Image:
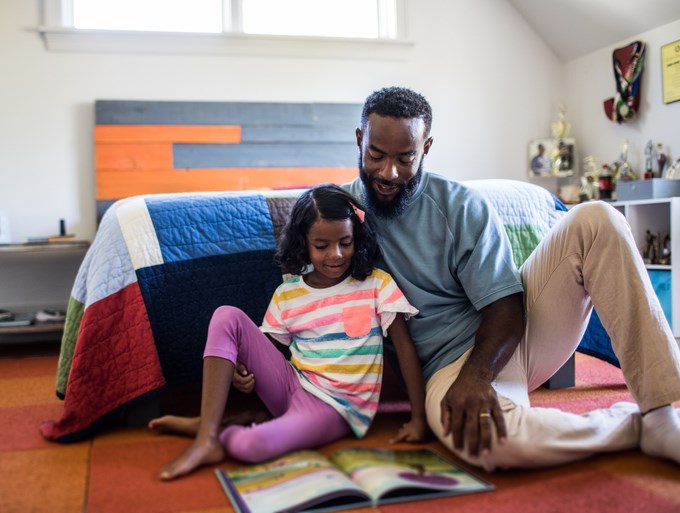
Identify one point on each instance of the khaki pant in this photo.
(588, 259)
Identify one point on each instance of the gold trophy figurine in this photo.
(560, 128)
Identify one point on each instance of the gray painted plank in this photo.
(285, 133)
(123, 112)
(193, 156)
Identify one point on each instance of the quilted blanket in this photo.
(161, 264)
(142, 300)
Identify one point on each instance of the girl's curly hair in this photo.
(330, 202)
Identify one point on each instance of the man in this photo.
(487, 334)
(540, 163)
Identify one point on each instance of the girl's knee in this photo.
(226, 312)
(229, 318)
(248, 444)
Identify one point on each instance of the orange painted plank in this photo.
(167, 133)
(133, 156)
(116, 183)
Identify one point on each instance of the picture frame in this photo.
(551, 157)
(670, 71)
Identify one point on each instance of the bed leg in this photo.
(564, 377)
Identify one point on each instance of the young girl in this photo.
(333, 318)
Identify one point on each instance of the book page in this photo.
(293, 482)
(385, 473)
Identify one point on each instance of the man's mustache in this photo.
(386, 183)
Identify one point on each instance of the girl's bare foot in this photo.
(202, 451)
(185, 426)
(188, 426)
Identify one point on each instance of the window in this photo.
(153, 15)
(330, 18)
(320, 25)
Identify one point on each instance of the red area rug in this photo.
(116, 471)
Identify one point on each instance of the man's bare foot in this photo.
(201, 452)
(185, 426)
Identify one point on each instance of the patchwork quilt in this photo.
(139, 310)
(161, 264)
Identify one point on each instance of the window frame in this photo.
(59, 35)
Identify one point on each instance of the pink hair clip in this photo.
(360, 213)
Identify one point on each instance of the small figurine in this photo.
(649, 249)
(624, 151)
(589, 188)
(660, 159)
(664, 252)
(605, 185)
(560, 129)
(624, 172)
(589, 180)
(673, 170)
(649, 151)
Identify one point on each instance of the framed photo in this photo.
(670, 71)
(551, 157)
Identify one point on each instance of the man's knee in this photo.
(598, 214)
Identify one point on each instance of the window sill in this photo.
(58, 39)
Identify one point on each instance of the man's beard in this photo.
(401, 201)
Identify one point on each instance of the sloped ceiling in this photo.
(573, 28)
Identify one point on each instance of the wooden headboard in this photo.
(146, 147)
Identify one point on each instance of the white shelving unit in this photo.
(659, 216)
(35, 277)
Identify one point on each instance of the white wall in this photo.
(590, 80)
(493, 84)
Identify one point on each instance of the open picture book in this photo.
(349, 478)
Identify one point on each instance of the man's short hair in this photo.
(397, 102)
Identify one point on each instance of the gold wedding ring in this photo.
(484, 414)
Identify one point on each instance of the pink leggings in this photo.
(301, 421)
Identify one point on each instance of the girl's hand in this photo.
(415, 430)
(243, 381)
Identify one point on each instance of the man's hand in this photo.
(243, 381)
(470, 408)
(415, 431)
(468, 411)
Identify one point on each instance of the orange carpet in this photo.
(116, 471)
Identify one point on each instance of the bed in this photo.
(159, 266)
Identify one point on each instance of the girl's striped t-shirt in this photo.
(335, 337)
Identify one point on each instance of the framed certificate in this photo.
(670, 71)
